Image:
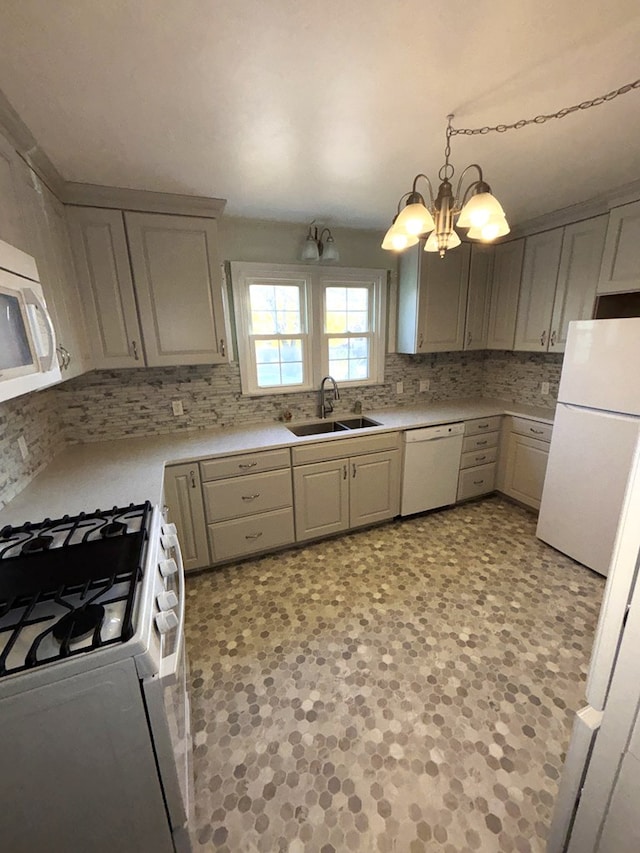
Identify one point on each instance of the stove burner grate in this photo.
(78, 624)
(113, 528)
(38, 543)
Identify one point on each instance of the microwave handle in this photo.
(48, 361)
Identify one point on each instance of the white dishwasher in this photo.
(431, 467)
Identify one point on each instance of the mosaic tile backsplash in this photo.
(114, 404)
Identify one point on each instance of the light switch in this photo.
(545, 389)
(399, 387)
(177, 407)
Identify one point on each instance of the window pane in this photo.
(287, 298)
(267, 352)
(288, 322)
(358, 299)
(358, 321)
(338, 348)
(336, 298)
(261, 297)
(358, 347)
(292, 373)
(359, 369)
(268, 374)
(335, 322)
(290, 350)
(275, 309)
(263, 323)
(339, 370)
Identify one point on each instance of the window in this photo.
(281, 349)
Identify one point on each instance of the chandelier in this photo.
(476, 209)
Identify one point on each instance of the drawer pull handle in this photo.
(344, 472)
(247, 464)
(553, 338)
(354, 470)
(481, 458)
(134, 347)
(483, 426)
(536, 431)
(481, 443)
(192, 477)
(223, 350)
(253, 535)
(478, 482)
(543, 338)
(250, 497)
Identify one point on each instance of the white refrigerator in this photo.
(595, 432)
(598, 804)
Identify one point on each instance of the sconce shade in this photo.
(479, 210)
(330, 251)
(414, 220)
(310, 250)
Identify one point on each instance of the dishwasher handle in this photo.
(411, 436)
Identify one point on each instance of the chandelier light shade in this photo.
(476, 209)
(318, 248)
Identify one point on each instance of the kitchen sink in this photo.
(322, 427)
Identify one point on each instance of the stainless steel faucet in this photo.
(326, 406)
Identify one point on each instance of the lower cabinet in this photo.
(346, 492)
(478, 460)
(248, 503)
(523, 459)
(183, 498)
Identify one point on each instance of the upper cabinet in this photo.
(478, 297)
(151, 286)
(559, 279)
(432, 300)
(102, 260)
(620, 269)
(505, 285)
(537, 289)
(582, 246)
(13, 228)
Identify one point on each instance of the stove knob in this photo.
(169, 529)
(166, 620)
(167, 599)
(167, 568)
(169, 541)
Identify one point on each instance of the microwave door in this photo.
(17, 350)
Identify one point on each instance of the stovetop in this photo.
(68, 586)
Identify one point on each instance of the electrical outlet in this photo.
(545, 389)
(177, 407)
(399, 387)
(22, 444)
(425, 384)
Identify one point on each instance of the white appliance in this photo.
(431, 467)
(597, 804)
(95, 725)
(28, 357)
(595, 431)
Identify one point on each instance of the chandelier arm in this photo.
(415, 183)
(474, 184)
(401, 199)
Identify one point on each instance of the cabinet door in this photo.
(620, 270)
(479, 297)
(178, 283)
(443, 300)
(183, 497)
(537, 290)
(374, 487)
(13, 228)
(409, 336)
(526, 466)
(505, 286)
(577, 278)
(102, 262)
(321, 499)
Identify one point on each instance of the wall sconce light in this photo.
(314, 249)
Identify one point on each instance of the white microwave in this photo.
(28, 357)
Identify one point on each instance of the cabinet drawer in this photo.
(240, 496)
(242, 536)
(476, 481)
(534, 429)
(478, 457)
(352, 446)
(480, 442)
(248, 463)
(482, 425)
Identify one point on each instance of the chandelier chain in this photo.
(541, 119)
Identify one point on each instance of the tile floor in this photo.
(407, 688)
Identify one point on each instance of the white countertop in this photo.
(103, 474)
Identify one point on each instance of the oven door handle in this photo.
(170, 664)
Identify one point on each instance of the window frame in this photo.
(313, 282)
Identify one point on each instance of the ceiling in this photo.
(293, 110)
